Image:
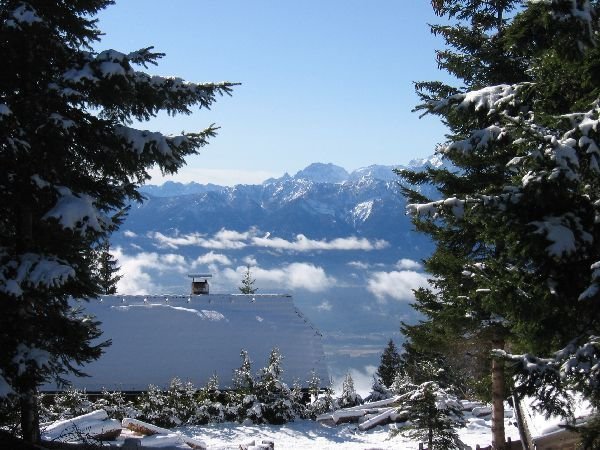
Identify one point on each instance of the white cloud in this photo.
(397, 284)
(359, 265)
(325, 306)
(408, 264)
(250, 261)
(136, 270)
(233, 240)
(211, 258)
(303, 244)
(129, 234)
(222, 240)
(293, 276)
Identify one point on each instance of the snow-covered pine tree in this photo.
(274, 395)
(378, 390)
(243, 379)
(389, 365)
(517, 226)
(479, 55)
(349, 397)
(108, 269)
(70, 161)
(434, 416)
(247, 286)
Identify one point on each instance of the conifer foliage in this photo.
(108, 269)
(390, 364)
(247, 286)
(517, 228)
(70, 160)
(434, 416)
(349, 396)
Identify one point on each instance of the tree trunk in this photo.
(30, 419)
(498, 438)
(430, 439)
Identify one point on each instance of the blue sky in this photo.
(322, 80)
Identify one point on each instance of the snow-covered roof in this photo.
(192, 337)
(540, 426)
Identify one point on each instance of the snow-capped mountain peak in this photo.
(323, 173)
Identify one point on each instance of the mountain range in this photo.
(340, 242)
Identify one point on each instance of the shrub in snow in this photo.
(298, 399)
(9, 413)
(402, 384)
(378, 391)
(349, 396)
(264, 398)
(243, 380)
(321, 400)
(274, 396)
(434, 415)
(324, 403)
(116, 406)
(65, 405)
(173, 407)
(209, 409)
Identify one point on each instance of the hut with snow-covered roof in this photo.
(192, 337)
(549, 433)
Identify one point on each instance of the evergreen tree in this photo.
(378, 390)
(275, 397)
(349, 397)
(389, 365)
(70, 161)
(243, 380)
(516, 229)
(434, 416)
(478, 55)
(247, 286)
(109, 271)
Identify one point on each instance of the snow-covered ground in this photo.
(306, 434)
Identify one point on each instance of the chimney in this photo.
(200, 286)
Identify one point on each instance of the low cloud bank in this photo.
(289, 277)
(141, 272)
(235, 240)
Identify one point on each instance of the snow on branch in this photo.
(26, 356)
(141, 141)
(479, 140)
(594, 287)
(170, 93)
(24, 14)
(76, 212)
(554, 154)
(5, 388)
(564, 154)
(577, 366)
(4, 110)
(585, 130)
(491, 98)
(34, 271)
(61, 121)
(564, 10)
(564, 233)
(435, 209)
